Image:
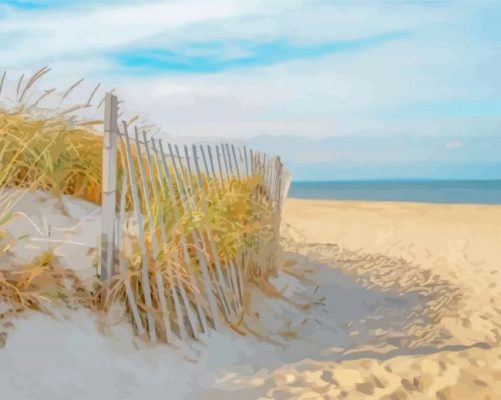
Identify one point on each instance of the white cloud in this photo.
(82, 30)
(346, 94)
(454, 144)
(341, 94)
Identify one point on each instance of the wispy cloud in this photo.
(449, 108)
(455, 144)
(92, 30)
(221, 56)
(246, 68)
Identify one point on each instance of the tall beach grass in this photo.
(57, 153)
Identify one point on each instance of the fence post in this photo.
(109, 186)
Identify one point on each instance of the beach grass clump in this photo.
(60, 157)
(32, 286)
(38, 285)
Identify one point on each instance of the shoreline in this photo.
(391, 202)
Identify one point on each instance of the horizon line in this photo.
(399, 180)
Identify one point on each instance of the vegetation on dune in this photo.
(43, 281)
(237, 219)
(33, 286)
(59, 157)
(57, 154)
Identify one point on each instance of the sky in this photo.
(340, 90)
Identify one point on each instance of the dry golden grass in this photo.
(59, 157)
(55, 153)
(35, 286)
(32, 286)
(238, 222)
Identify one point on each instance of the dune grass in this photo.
(35, 285)
(59, 157)
(227, 233)
(54, 153)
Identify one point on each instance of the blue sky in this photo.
(204, 58)
(403, 88)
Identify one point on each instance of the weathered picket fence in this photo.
(179, 280)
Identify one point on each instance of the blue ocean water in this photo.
(423, 191)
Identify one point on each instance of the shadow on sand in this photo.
(342, 307)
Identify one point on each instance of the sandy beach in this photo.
(372, 300)
(250, 200)
(457, 244)
(445, 255)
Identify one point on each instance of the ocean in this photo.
(423, 191)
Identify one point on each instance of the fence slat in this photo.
(146, 194)
(154, 244)
(121, 263)
(226, 272)
(160, 159)
(208, 230)
(109, 179)
(221, 281)
(252, 162)
(280, 184)
(221, 286)
(234, 285)
(236, 161)
(218, 156)
(227, 153)
(197, 168)
(246, 162)
(226, 163)
(210, 177)
(187, 171)
(196, 237)
(241, 158)
(140, 230)
(189, 311)
(185, 198)
(186, 202)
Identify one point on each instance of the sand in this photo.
(448, 255)
(68, 227)
(458, 244)
(377, 300)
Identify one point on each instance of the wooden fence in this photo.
(168, 242)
